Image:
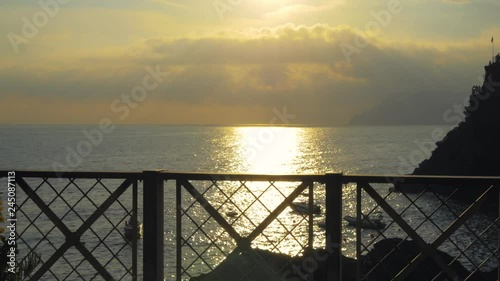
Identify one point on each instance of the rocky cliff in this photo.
(472, 148)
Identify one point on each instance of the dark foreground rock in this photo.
(254, 264)
(382, 263)
(396, 255)
(390, 256)
(262, 265)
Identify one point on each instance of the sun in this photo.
(270, 6)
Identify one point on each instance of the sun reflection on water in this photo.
(268, 150)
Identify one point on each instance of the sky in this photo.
(234, 61)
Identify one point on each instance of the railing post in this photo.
(153, 226)
(334, 226)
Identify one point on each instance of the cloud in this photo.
(456, 1)
(171, 4)
(285, 44)
(301, 67)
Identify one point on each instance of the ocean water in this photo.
(286, 150)
(243, 149)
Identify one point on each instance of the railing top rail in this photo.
(346, 178)
(420, 179)
(242, 176)
(79, 174)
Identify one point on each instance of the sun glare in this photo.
(268, 150)
(266, 7)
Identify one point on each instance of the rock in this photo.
(262, 265)
(393, 262)
(471, 148)
(254, 264)
(380, 264)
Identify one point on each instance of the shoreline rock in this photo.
(262, 265)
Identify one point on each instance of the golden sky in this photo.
(233, 61)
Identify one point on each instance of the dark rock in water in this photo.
(395, 261)
(491, 275)
(472, 147)
(262, 265)
(254, 264)
(400, 257)
(307, 264)
(382, 263)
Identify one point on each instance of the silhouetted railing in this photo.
(431, 235)
(70, 226)
(252, 227)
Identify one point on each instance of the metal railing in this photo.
(431, 225)
(230, 213)
(251, 227)
(444, 239)
(72, 224)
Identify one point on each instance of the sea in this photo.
(236, 149)
(239, 149)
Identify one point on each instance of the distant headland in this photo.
(406, 109)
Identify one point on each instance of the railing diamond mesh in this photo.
(424, 233)
(220, 218)
(73, 228)
(257, 227)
